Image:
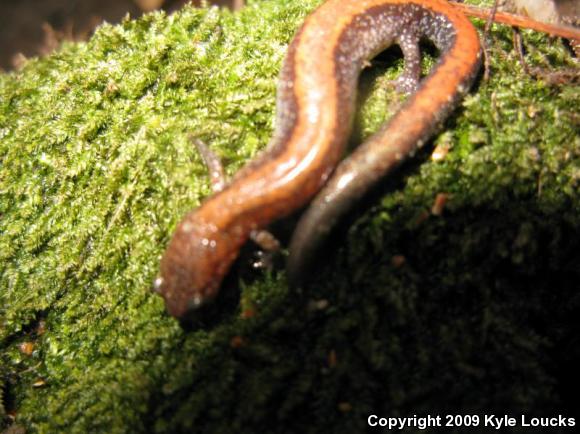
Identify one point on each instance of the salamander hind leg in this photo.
(408, 81)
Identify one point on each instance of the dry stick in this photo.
(238, 4)
(560, 30)
(518, 21)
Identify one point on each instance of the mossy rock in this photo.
(97, 168)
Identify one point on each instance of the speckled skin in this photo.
(315, 104)
(405, 132)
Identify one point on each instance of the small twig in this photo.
(519, 47)
(486, 32)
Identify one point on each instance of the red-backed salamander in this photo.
(315, 105)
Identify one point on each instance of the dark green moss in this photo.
(97, 167)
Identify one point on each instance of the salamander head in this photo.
(194, 265)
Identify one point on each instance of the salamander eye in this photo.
(194, 302)
(157, 284)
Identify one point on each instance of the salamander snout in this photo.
(194, 265)
(177, 306)
(188, 276)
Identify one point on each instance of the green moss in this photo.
(96, 169)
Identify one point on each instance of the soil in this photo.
(36, 27)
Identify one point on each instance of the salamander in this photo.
(314, 111)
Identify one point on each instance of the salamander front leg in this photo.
(214, 165)
(269, 245)
(264, 239)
